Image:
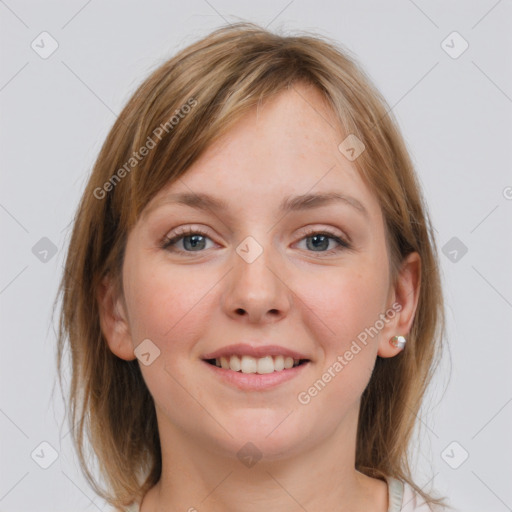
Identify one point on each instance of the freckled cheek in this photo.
(165, 302)
(339, 308)
(341, 305)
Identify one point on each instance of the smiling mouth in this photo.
(261, 365)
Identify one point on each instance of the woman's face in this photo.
(280, 265)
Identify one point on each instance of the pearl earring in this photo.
(398, 341)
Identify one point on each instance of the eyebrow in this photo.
(302, 202)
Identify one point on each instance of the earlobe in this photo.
(113, 320)
(404, 300)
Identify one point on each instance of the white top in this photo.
(402, 498)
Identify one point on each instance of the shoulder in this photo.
(403, 498)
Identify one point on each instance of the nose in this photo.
(257, 291)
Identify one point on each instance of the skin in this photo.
(191, 302)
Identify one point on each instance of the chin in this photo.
(272, 433)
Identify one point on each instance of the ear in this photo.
(114, 320)
(403, 300)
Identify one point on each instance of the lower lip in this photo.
(256, 381)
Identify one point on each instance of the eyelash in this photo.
(167, 242)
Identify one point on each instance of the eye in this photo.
(194, 240)
(318, 241)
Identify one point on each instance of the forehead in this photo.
(288, 145)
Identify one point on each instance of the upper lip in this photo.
(242, 349)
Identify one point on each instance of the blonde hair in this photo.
(221, 77)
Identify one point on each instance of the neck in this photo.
(200, 476)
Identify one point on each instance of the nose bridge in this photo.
(256, 290)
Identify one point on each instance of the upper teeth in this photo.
(248, 364)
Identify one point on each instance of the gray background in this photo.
(455, 114)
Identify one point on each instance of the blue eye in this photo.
(320, 241)
(196, 241)
(193, 240)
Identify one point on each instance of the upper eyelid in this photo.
(315, 226)
(331, 231)
(305, 231)
(182, 232)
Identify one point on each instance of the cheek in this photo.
(168, 306)
(338, 309)
(172, 308)
(341, 303)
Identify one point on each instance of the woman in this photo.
(252, 295)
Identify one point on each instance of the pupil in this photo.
(324, 243)
(194, 241)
